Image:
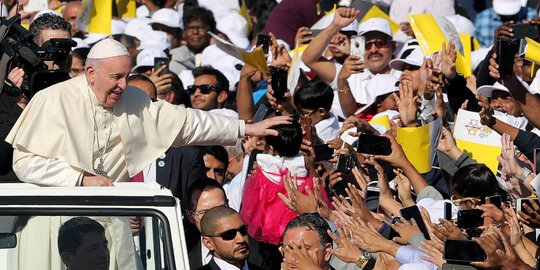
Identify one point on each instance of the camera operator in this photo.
(44, 28)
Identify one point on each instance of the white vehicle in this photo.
(30, 217)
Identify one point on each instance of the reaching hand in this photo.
(447, 230)
(448, 61)
(280, 55)
(406, 229)
(264, 128)
(162, 82)
(96, 180)
(344, 17)
(345, 250)
(494, 67)
(406, 28)
(403, 186)
(303, 36)
(352, 65)
(508, 157)
(295, 200)
(407, 104)
(299, 257)
(434, 250)
(486, 114)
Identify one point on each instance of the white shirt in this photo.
(328, 129)
(235, 188)
(206, 256)
(223, 265)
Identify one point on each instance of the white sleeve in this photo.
(31, 168)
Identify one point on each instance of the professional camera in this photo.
(17, 49)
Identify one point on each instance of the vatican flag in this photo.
(96, 16)
(432, 30)
(420, 144)
(295, 70)
(376, 12)
(530, 49)
(480, 142)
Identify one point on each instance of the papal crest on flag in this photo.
(420, 144)
(480, 142)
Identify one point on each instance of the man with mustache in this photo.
(225, 235)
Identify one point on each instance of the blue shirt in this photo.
(488, 20)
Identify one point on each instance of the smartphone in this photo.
(470, 218)
(374, 145)
(527, 201)
(159, 62)
(447, 211)
(413, 212)
(279, 81)
(523, 30)
(372, 198)
(263, 40)
(495, 200)
(261, 113)
(459, 250)
(358, 47)
(323, 152)
(344, 163)
(506, 52)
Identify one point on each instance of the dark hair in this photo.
(48, 21)
(218, 152)
(72, 232)
(288, 141)
(314, 95)
(180, 94)
(201, 185)
(476, 180)
(141, 77)
(81, 53)
(222, 82)
(313, 221)
(128, 41)
(200, 14)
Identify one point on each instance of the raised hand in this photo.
(344, 16)
(407, 104)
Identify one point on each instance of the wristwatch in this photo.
(364, 257)
(524, 174)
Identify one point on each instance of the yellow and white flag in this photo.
(295, 69)
(480, 142)
(432, 30)
(420, 144)
(376, 12)
(96, 16)
(255, 58)
(530, 49)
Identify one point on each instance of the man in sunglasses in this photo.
(209, 90)
(225, 235)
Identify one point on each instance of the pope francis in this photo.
(93, 130)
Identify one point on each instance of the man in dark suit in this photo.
(225, 235)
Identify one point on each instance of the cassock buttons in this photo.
(162, 156)
(161, 163)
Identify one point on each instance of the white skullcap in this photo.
(107, 48)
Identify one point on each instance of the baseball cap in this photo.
(168, 17)
(146, 58)
(137, 27)
(507, 7)
(379, 85)
(375, 25)
(235, 27)
(462, 24)
(415, 58)
(155, 40)
(487, 90)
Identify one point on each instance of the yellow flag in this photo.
(420, 144)
(382, 121)
(463, 62)
(531, 50)
(126, 8)
(96, 16)
(244, 12)
(376, 12)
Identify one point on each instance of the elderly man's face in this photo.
(504, 102)
(196, 35)
(71, 11)
(108, 78)
(204, 201)
(379, 50)
(311, 239)
(234, 250)
(92, 254)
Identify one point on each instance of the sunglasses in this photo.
(231, 234)
(204, 88)
(379, 43)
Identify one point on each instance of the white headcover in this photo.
(107, 48)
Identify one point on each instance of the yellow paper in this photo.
(533, 50)
(463, 62)
(476, 44)
(244, 12)
(376, 12)
(97, 15)
(255, 59)
(126, 8)
(382, 121)
(482, 153)
(416, 145)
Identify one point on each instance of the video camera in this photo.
(17, 49)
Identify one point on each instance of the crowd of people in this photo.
(301, 178)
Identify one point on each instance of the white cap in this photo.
(325, 21)
(91, 38)
(487, 90)
(235, 27)
(220, 8)
(375, 24)
(117, 26)
(80, 43)
(168, 17)
(415, 58)
(155, 40)
(107, 48)
(137, 27)
(478, 56)
(507, 7)
(146, 58)
(220, 60)
(462, 24)
(380, 84)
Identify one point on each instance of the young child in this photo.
(262, 209)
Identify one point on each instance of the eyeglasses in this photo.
(197, 28)
(457, 201)
(379, 43)
(231, 234)
(204, 88)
